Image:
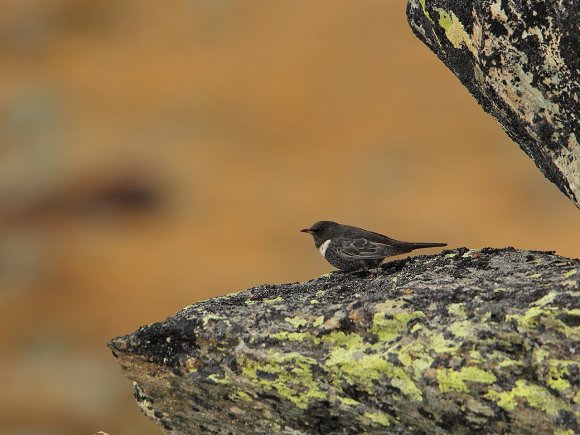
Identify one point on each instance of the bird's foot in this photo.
(358, 273)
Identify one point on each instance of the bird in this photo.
(352, 249)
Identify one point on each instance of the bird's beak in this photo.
(306, 230)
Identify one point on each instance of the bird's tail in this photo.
(427, 245)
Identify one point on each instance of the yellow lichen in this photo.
(296, 321)
(461, 329)
(208, 317)
(225, 380)
(426, 13)
(318, 321)
(548, 317)
(378, 417)
(416, 357)
(569, 273)
(475, 356)
(546, 300)
(540, 355)
(357, 362)
(391, 320)
(244, 396)
(457, 310)
(391, 328)
(456, 34)
(559, 369)
(452, 380)
(295, 336)
(440, 344)
(292, 376)
(347, 401)
(274, 300)
(535, 395)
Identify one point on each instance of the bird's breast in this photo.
(324, 247)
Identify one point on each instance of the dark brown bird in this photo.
(353, 249)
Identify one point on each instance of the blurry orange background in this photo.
(153, 154)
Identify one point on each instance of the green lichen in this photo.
(296, 321)
(536, 396)
(416, 327)
(205, 320)
(415, 357)
(456, 34)
(314, 301)
(457, 310)
(378, 417)
(508, 362)
(440, 344)
(559, 370)
(391, 320)
(540, 355)
(569, 273)
(274, 300)
(291, 376)
(564, 432)
(339, 338)
(426, 13)
(318, 321)
(347, 401)
(475, 356)
(462, 328)
(389, 329)
(547, 317)
(355, 361)
(244, 396)
(453, 380)
(484, 319)
(225, 380)
(546, 300)
(295, 336)
(191, 364)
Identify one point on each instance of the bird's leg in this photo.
(374, 272)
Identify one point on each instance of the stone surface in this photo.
(461, 342)
(521, 61)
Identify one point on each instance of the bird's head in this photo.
(321, 231)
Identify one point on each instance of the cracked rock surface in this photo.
(461, 342)
(521, 61)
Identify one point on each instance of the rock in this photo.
(521, 61)
(461, 342)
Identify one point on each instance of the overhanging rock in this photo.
(521, 61)
(461, 342)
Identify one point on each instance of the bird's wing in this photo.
(365, 249)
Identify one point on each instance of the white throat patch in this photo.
(324, 247)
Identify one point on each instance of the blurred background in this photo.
(153, 154)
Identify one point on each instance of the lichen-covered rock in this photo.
(460, 342)
(521, 61)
